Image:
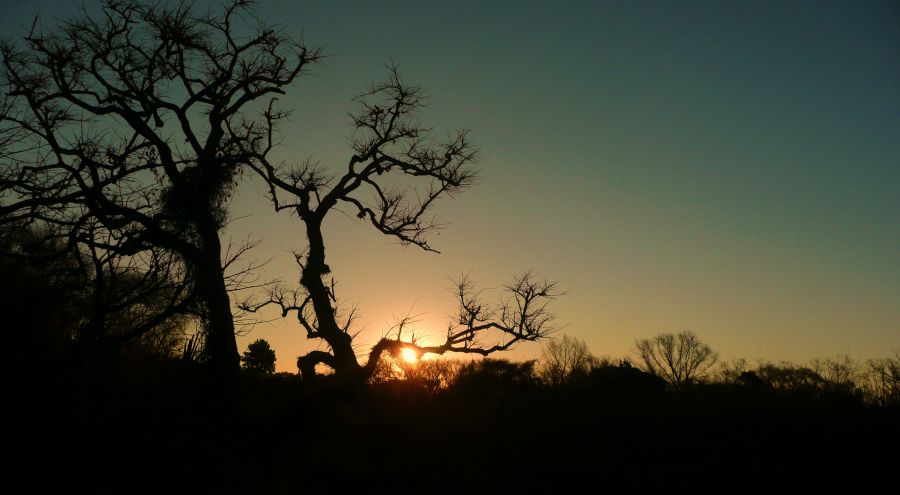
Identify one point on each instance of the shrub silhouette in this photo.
(626, 380)
(259, 357)
(496, 374)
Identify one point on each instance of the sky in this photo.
(729, 168)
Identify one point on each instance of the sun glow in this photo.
(409, 355)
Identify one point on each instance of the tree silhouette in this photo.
(679, 359)
(136, 125)
(392, 181)
(259, 357)
(841, 373)
(789, 377)
(882, 380)
(566, 358)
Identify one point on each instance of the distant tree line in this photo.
(677, 362)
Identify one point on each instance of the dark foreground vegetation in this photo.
(484, 424)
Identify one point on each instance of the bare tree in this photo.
(391, 182)
(881, 381)
(730, 372)
(565, 358)
(841, 373)
(139, 122)
(680, 359)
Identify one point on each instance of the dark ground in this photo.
(159, 432)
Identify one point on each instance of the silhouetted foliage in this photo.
(493, 416)
(624, 379)
(85, 306)
(259, 357)
(840, 373)
(875, 382)
(431, 375)
(41, 289)
(496, 374)
(730, 373)
(751, 380)
(680, 358)
(128, 131)
(790, 377)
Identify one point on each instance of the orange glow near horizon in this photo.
(409, 356)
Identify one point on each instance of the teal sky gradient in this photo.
(732, 168)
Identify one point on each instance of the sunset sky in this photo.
(730, 168)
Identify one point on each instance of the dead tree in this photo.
(140, 121)
(391, 182)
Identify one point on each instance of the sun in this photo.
(409, 355)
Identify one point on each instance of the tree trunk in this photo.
(344, 361)
(224, 362)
